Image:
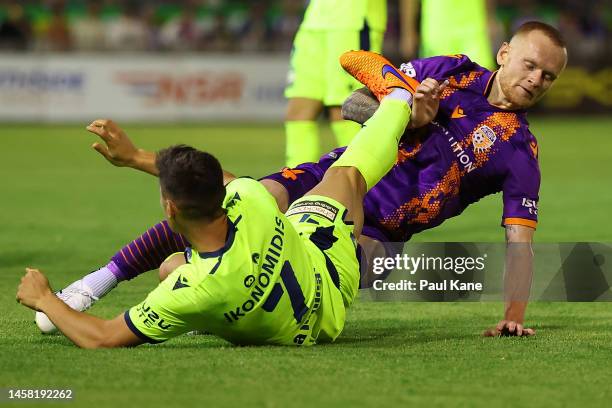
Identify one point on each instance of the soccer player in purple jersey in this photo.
(478, 144)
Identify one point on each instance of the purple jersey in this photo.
(471, 149)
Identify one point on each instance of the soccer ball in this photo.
(44, 323)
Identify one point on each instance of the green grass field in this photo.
(66, 211)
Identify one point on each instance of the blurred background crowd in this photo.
(254, 25)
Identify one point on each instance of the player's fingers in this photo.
(500, 326)
(106, 125)
(30, 271)
(434, 85)
(430, 82)
(444, 85)
(528, 332)
(100, 123)
(100, 131)
(435, 91)
(425, 88)
(511, 327)
(490, 333)
(103, 150)
(439, 88)
(519, 330)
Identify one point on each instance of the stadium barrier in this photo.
(59, 88)
(204, 87)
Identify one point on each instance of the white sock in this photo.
(401, 94)
(101, 281)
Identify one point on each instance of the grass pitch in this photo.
(66, 211)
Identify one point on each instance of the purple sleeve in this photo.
(521, 188)
(438, 68)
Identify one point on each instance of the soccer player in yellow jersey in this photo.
(448, 27)
(316, 80)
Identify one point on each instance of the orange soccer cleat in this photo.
(376, 72)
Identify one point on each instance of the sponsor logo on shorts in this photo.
(531, 205)
(320, 208)
(291, 174)
(150, 318)
(483, 139)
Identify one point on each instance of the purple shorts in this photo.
(301, 179)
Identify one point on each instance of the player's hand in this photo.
(426, 102)
(508, 328)
(117, 148)
(34, 287)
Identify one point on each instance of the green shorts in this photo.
(330, 243)
(315, 71)
(473, 44)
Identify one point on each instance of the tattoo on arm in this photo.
(359, 106)
(510, 229)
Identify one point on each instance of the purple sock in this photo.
(146, 252)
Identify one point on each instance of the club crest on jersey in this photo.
(408, 69)
(483, 139)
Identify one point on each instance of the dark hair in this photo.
(549, 31)
(193, 180)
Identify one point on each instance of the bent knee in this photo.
(170, 264)
(278, 191)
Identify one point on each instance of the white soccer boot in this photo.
(77, 295)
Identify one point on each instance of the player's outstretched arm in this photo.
(517, 282)
(118, 149)
(84, 330)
